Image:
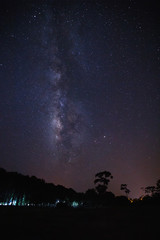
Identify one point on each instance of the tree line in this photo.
(19, 190)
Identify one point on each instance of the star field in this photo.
(79, 91)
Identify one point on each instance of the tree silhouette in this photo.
(158, 186)
(19, 190)
(125, 189)
(150, 190)
(102, 179)
(91, 194)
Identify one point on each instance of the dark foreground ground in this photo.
(80, 224)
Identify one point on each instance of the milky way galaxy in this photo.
(66, 115)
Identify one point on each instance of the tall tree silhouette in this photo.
(102, 179)
(158, 186)
(124, 188)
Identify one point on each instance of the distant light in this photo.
(141, 198)
(57, 201)
(14, 202)
(131, 200)
(75, 204)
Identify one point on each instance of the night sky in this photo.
(80, 91)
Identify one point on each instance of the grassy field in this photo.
(82, 224)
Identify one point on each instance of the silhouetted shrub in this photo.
(122, 201)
